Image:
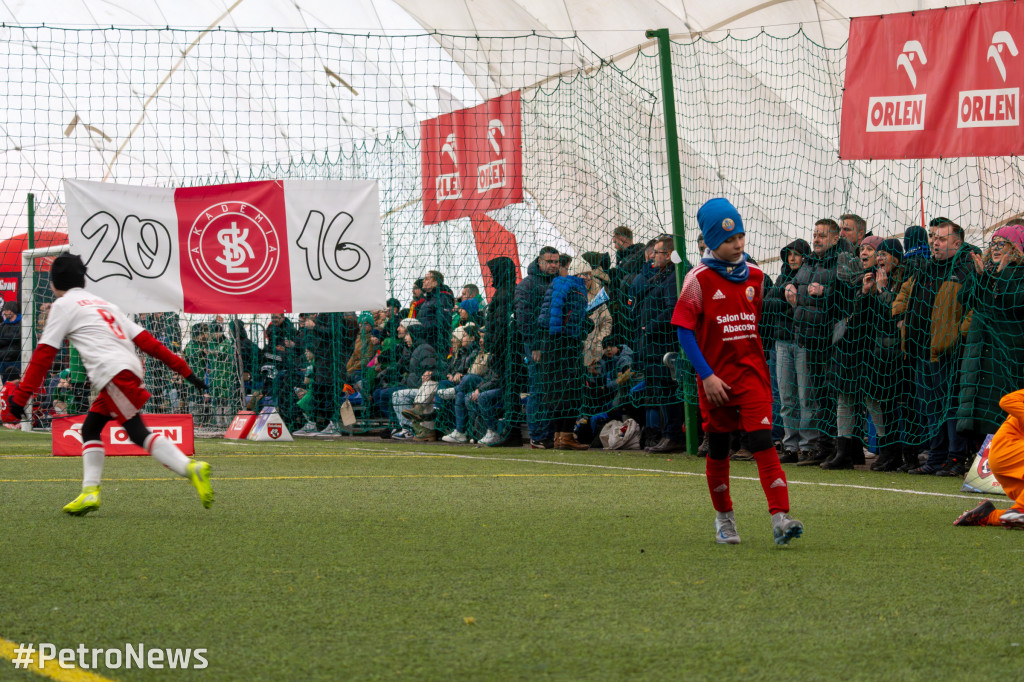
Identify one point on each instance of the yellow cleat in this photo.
(199, 475)
(88, 501)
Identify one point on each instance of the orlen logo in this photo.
(492, 174)
(901, 112)
(448, 186)
(118, 436)
(997, 107)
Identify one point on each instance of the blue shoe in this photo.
(785, 528)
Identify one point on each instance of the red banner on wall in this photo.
(942, 82)
(472, 160)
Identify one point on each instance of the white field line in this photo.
(823, 484)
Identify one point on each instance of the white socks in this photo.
(165, 452)
(92, 462)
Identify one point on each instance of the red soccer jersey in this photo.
(724, 316)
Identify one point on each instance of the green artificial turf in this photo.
(347, 560)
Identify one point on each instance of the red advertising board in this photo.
(943, 82)
(67, 435)
(240, 425)
(472, 160)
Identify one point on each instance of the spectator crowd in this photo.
(902, 344)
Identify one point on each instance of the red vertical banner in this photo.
(472, 160)
(943, 82)
(234, 248)
(493, 240)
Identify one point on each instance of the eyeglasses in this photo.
(662, 252)
(1000, 243)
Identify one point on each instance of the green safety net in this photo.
(757, 121)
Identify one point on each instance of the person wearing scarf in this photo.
(717, 316)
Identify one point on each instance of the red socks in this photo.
(773, 480)
(717, 473)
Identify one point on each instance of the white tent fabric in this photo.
(606, 29)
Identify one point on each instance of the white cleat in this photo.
(725, 529)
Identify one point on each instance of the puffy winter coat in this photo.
(528, 299)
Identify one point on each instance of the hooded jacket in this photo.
(10, 340)
(422, 358)
(777, 313)
(502, 341)
(815, 317)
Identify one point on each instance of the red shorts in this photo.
(750, 412)
(122, 398)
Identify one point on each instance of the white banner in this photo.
(273, 246)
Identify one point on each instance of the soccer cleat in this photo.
(785, 528)
(87, 501)
(199, 475)
(456, 436)
(977, 516)
(725, 530)
(1012, 518)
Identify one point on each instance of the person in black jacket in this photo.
(778, 315)
(528, 298)
(653, 307)
(817, 297)
(504, 379)
(10, 342)
(435, 313)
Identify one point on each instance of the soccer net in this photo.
(758, 122)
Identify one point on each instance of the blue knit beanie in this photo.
(718, 220)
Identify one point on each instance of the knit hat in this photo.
(871, 240)
(914, 236)
(1013, 233)
(891, 246)
(718, 220)
(579, 267)
(394, 303)
(365, 318)
(67, 272)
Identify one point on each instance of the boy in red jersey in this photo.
(717, 316)
(1006, 460)
(106, 340)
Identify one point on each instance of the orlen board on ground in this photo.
(67, 435)
(943, 82)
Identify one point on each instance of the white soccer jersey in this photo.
(100, 332)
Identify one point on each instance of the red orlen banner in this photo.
(943, 82)
(67, 435)
(472, 160)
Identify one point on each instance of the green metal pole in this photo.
(675, 181)
(31, 220)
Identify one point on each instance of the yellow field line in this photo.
(52, 669)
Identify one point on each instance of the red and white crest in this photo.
(234, 247)
(274, 431)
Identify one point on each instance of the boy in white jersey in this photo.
(106, 339)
